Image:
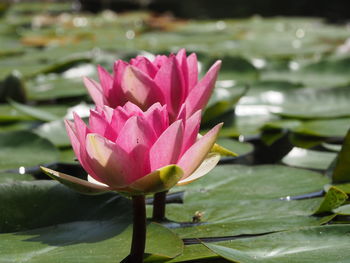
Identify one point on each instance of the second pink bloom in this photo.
(169, 80)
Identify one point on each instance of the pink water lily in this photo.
(136, 152)
(170, 80)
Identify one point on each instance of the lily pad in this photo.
(6, 178)
(247, 200)
(34, 112)
(56, 87)
(324, 128)
(343, 210)
(25, 149)
(326, 244)
(241, 148)
(95, 228)
(333, 199)
(341, 171)
(310, 159)
(55, 132)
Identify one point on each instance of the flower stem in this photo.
(139, 229)
(159, 203)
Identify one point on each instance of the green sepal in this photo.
(158, 181)
(222, 151)
(76, 184)
(333, 199)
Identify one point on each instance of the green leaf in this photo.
(42, 203)
(92, 241)
(236, 68)
(324, 128)
(344, 187)
(34, 112)
(6, 178)
(321, 244)
(158, 181)
(66, 226)
(333, 199)
(76, 184)
(25, 149)
(9, 114)
(13, 88)
(237, 200)
(56, 87)
(310, 159)
(241, 148)
(342, 210)
(313, 103)
(54, 131)
(341, 171)
(222, 101)
(332, 147)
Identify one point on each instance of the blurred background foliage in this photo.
(283, 93)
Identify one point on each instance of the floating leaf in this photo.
(25, 149)
(323, 244)
(333, 199)
(13, 88)
(310, 159)
(341, 172)
(54, 131)
(34, 112)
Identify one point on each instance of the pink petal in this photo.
(182, 60)
(199, 95)
(81, 129)
(116, 96)
(157, 117)
(192, 70)
(192, 125)
(73, 138)
(160, 60)
(136, 139)
(106, 80)
(108, 161)
(118, 121)
(140, 88)
(181, 114)
(166, 150)
(97, 124)
(169, 78)
(206, 166)
(107, 111)
(195, 155)
(132, 109)
(95, 91)
(78, 146)
(145, 66)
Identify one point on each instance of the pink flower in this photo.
(136, 152)
(169, 80)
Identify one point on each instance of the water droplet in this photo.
(293, 65)
(80, 21)
(258, 63)
(287, 198)
(220, 25)
(241, 138)
(130, 34)
(226, 83)
(280, 27)
(300, 33)
(296, 44)
(22, 170)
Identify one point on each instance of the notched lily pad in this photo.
(25, 149)
(333, 199)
